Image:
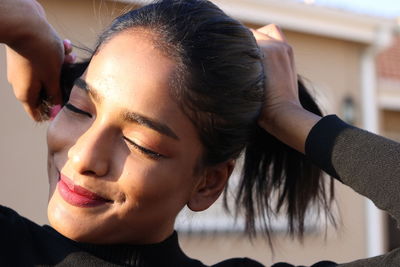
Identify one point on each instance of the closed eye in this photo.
(77, 110)
(147, 152)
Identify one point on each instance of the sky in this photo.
(385, 8)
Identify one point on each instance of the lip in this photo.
(77, 195)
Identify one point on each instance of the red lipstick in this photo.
(77, 195)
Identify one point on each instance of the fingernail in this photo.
(54, 111)
(67, 42)
(67, 45)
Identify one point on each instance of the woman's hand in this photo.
(281, 76)
(35, 55)
(283, 115)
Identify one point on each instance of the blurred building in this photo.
(335, 51)
(388, 71)
(388, 91)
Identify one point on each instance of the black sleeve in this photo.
(391, 259)
(321, 140)
(368, 163)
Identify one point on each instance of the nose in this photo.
(92, 152)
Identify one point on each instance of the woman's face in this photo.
(121, 153)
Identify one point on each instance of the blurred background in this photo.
(347, 50)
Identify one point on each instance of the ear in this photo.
(210, 186)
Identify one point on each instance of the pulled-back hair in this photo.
(220, 85)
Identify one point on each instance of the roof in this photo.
(312, 19)
(388, 61)
(388, 70)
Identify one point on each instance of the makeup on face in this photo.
(121, 151)
(77, 195)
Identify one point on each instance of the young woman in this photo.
(153, 122)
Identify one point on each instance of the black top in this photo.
(24, 243)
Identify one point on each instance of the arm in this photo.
(366, 162)
(35, 54)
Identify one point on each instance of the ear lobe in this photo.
(210, 186)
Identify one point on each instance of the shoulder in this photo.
(239, 262)
(16, 236)
(20, 236)
(7, 212)
(16, 230)
(9, 219)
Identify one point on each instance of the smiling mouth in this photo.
(77, 195)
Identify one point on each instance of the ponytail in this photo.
(276, 178)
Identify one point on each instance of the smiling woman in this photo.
(153, 122)
(122, 136)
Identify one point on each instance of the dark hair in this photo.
(220, 86)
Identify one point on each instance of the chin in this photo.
(73, 223)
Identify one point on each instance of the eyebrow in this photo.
(82, 84)
(149, 123)
(130, 116)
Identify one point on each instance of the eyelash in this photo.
(149, 153)
(77, 110)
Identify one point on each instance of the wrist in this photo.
(21, 19)
(24, 38)
(291, 124)
(273, 117)
(37, 40)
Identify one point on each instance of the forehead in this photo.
(129, 64)
(129, 73)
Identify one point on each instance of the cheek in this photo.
(55, 140)
(63, 133)
(56, 136)
(163, 185)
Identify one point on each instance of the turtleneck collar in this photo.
(165, 253)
